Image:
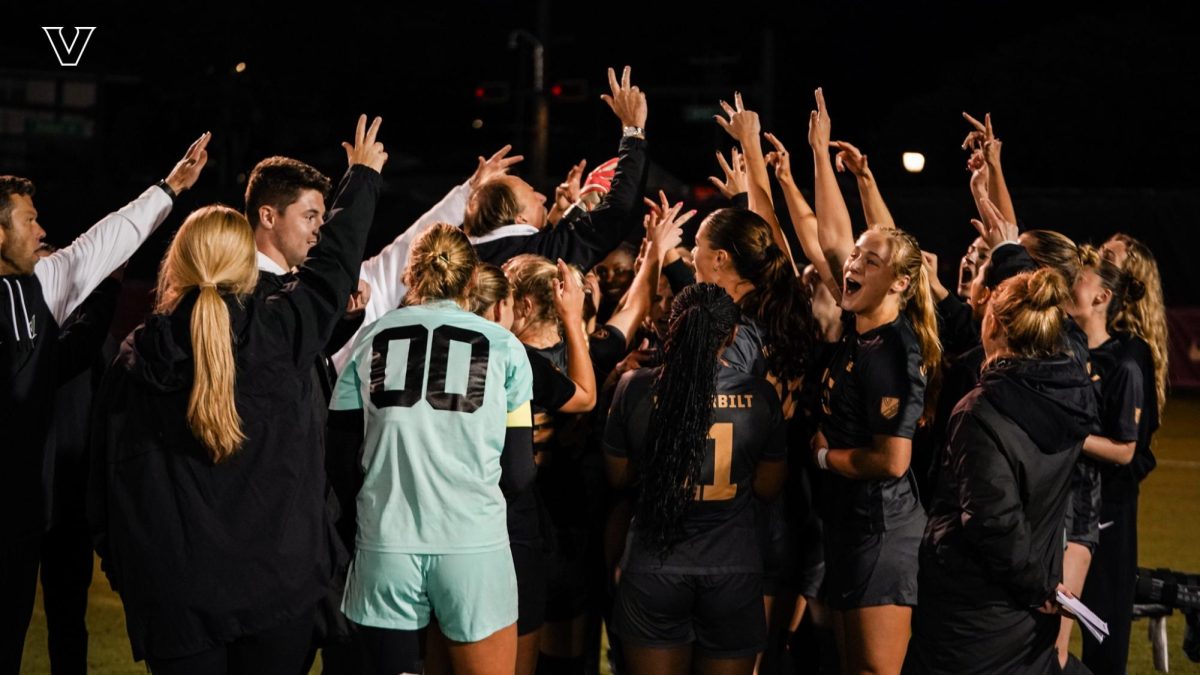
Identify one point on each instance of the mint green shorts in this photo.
(472, 594)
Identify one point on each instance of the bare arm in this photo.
(875, 210)
(568, 301)
(743, 126)
(1108, 450)
(887, 457)
(769, 477)
(663, 233)
(804, 221)
(835, 234)
(984, 138)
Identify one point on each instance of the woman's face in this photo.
(867, 276)
(1088, 296)
(968, 268)
(705, 258)
(504, 312)
(1115, 251)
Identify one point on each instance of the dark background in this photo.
(1096, 107)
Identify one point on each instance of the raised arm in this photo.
(983, 137)
(744, 127)
(73, 272)
(384, 270)
(804, 220)
(664, 231)
(568, 302)
(876, 211)
(567, 194)
(835, 234)
(308, 309)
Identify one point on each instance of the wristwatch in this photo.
(167, 189)
(636, 132)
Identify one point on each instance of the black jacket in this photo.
(581, 238)
(993, 548)
(203, 554)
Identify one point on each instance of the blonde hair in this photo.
(917, 299)
(1053, 249)
(1030, 308)
(490, 287)
(1144, 313)
(213, 251)
(441, 266)
(533, 277)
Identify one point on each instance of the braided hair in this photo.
(703, 318)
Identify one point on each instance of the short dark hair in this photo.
(278, 182)
(493, 204)
(12, 185)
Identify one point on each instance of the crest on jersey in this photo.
(889, 406)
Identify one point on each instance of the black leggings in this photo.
(279, 650)
(392, 651)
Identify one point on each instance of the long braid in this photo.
(702, 320)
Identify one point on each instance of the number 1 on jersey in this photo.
(721, 488)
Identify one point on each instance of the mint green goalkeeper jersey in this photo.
(438, 386)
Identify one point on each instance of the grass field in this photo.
(1169, 512)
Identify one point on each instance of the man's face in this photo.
(21, 238)
(533, 203)
(296, 229)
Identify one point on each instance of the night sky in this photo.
(1095, 107)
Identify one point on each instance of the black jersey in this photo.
(1116, 361)
(874, 386)
(719, 533)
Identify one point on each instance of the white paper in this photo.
(1086, 617)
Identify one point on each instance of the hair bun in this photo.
(1047, 289)
(1137, 290)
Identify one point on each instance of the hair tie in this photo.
(207, 284)
(444, 257)
(1137, 290)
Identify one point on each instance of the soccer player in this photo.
(444, 395)
(699, 440)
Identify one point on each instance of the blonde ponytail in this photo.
(213, 251)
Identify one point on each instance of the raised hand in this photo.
(994, 227)
(358, 299)
(849, 157)
(568, 294)
(980, 174)
(981, 132)
(735, 182)
(591, 282)
(496, 165)
(366, 150)
(742, 124)
(187, 170)
(779, 159)
(818, 124)
(930, 262)
(628, 102)
(664, 226)
(567, 192)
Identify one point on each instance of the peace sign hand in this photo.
(742, 124)
(735, 182)
(628, 102)
(366, 150)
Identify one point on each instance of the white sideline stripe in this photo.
(1179, 463)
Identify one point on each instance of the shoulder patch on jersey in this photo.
(889, 406)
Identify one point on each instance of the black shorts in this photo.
(529, 561)
(773, 541)
(721, 613)
(566, 576)
(865, 569)
(1083, 511)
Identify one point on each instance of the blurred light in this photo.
(914, 162)
(556, 90)
(477, 124)
(480, 92)
(240, 67)
(240, 178)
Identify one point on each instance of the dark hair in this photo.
(492, 205)
(441, 266)
(278, 182)
(779, 302)
(12, 185)
(703, 317)
(490, 287)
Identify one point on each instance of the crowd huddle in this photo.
(517, 427)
